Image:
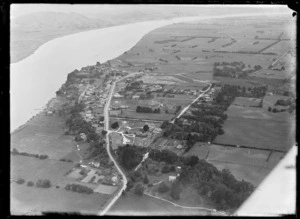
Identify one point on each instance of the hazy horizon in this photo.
(18, 10)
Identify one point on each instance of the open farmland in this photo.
(249, 164)
(43, 135)
(33, 169)
(266, 134)
(31, 200)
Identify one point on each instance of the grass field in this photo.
(32, 200)
(131, 204)
(43, 135)
(257, 133)
(257, 114)
(33, 169)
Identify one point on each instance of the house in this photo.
(172, 178)
(179, 146)
(117, 95)
(136, 97)
(95, 164)
(157, 130)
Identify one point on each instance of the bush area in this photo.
(130, 156)
(145, 109)
(79, 188)
(65, 160)
(220, 187)
(233, 69)
(16, 152)
(20, 181)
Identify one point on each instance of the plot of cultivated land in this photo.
(266, 134)
(90, 174)
(43, 135)
(33, 169)
(75, 174)
(245, 101)
(32, 200)
(105, 189)
(272, 74)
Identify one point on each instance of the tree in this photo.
(145, 180)
(30, 183)
(269, 109)
(163, 188)
(115, 125)
(104, 132)
(45, 183)
(274, 110)
(146, 128)
(20, 181)
(139, 189)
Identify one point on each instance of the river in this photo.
(35, 79)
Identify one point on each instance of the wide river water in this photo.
(35, 79)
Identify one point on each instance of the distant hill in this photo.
(44, 21)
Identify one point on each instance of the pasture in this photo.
(258, 133)
(33, 169)
(43, 135)
(32, 200)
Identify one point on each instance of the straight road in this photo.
(186, 108)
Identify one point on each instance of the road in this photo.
(187, 207)
(106, 127)
(279, 58)
(186, 108)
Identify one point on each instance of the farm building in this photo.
(172, 178)
(136, 97)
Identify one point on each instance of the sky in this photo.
(86, 9)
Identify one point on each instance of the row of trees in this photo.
(145, 109)
(79, 188)
(16, 152)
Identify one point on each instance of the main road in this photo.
(106, 127)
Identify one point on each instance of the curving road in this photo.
(106, 127)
